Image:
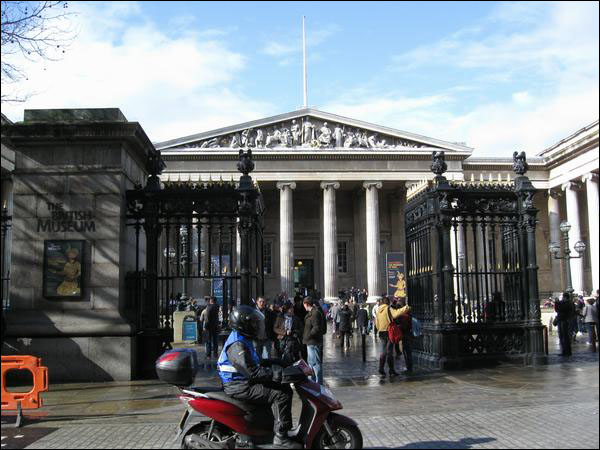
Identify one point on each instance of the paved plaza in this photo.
(507, 406)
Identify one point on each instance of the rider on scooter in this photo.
(246, 378)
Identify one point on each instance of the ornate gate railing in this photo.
(6, 225)
(186, 241)
(472, 270)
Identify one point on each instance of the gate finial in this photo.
(245, 165)
(520, 165)
(439, 165)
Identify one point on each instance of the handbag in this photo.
(394, 330)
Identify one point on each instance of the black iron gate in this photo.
(5, 224)
(189, 237)
(472, 271)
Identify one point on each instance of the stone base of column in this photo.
(374, 298)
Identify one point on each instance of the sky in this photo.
(498, 76)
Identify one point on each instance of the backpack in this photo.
(322, 323)
(394, 330)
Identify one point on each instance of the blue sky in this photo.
(499, 76)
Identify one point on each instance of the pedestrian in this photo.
(345, 316)
(590, 318)
(210, 321)
(373, 318)
(384, 317)
(315, 326)
(565, 311)
(362, 319)
(406, 325)
(288, 329)
(353, 309)
(335, 308)
(199, 325)
(266, 335)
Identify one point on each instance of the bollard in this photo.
(546, 339)
(364, 347)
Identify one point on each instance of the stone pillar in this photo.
(555, 236)
(6, 200)
(330, 256)
(373, 256)
(571, 189)
(286, 236)
(591, 185)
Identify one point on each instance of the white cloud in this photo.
(122, 59)
(555, 59)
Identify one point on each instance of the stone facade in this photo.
(81, 160)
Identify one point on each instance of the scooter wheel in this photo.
(344, 436)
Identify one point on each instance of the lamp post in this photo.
(554, 249)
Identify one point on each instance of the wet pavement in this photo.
(507, 406)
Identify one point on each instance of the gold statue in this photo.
(71, 271)
(400, 286)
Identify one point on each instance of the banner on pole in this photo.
(396, 278)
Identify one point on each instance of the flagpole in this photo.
(304, 54)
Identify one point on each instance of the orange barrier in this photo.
(25, 400)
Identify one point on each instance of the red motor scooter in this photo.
(215, 420)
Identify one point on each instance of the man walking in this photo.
(565, 311)
(315, 326)
(590, 318)
(266, 335)
(210, 320)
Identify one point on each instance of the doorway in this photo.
(304, 275)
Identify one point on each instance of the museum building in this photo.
(333, 190)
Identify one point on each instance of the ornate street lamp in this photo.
(554, 249)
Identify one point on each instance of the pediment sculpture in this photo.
(306, 132)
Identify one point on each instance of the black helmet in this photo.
(246, 320)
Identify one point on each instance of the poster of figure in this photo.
(63, 269)
(218, 285)
(396, 280)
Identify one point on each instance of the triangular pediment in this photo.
(308, 129)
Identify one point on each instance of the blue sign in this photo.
(190, 331)
(217, 283)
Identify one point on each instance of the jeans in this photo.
(315, 359)
(345, 338)
(564, 334)
(592, 328)
(212, 343)
(263, 348)
(386, 352)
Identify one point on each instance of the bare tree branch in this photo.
(34, 30)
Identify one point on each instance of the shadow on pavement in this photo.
(462, 443)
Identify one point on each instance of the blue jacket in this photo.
(227, 371)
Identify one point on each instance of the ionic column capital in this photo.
(574, 185)
(552, 193)
(370, 184)
(330, 184)
(283, 184)
(592, 176)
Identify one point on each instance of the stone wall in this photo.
(84, 164)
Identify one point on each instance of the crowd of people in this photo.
(575, 315)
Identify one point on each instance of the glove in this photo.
(277, 373)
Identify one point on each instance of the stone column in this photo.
(591, 185)
(286, 236)
(6, 200)
(555, 236)
(373, 256)
(330, 256)
(571, 189)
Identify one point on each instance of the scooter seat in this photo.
(220, 395)
(206, 389)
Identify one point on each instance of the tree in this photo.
(33, 30)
